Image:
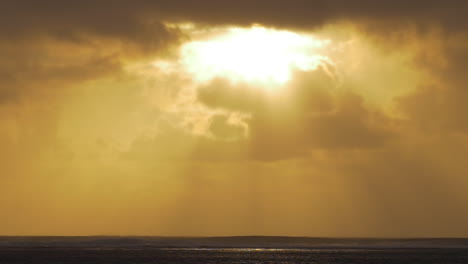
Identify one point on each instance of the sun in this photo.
(255, 54)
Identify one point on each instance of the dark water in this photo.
(211, 256)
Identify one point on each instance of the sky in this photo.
(217, 118)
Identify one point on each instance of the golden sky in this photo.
(213, 118)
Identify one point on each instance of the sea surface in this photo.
(229, 255)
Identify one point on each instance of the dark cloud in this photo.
(440, 104)
(53, 44)
(128, 20)
(310, 113)
(78, 21)
(305, 13)
(30, 69)
(350, 125)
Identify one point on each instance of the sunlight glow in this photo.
(254, 54)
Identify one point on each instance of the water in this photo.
(238, 256)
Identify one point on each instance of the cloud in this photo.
(307, 114)
(221, 93)
(50, 45)
(81, 21)
(92, 131)
(310, 113)
(130, 20)
(225, 128)
(445, 91)
(308, 14)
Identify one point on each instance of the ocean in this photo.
(229, 255)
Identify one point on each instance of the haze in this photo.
(218, 118)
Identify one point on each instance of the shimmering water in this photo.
(238, 256)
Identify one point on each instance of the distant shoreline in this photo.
(235, 242)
